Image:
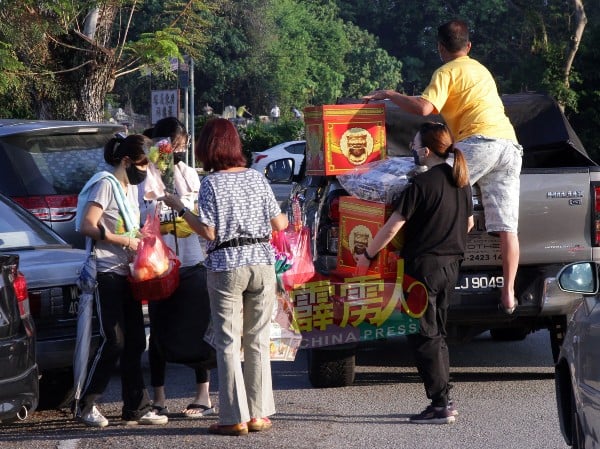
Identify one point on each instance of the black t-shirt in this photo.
(436, 213)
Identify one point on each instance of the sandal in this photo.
(196, 411)
(259, 424)
(160, 411)
(508, 310)
(229, 429)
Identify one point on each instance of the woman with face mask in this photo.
(435, 212)
(108, 213)
(188, 308)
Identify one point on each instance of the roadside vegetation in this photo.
(67, 59)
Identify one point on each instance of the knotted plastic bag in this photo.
(152, 258)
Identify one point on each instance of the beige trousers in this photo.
(242, 302)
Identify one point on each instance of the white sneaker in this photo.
(150, 418)
(93, 418)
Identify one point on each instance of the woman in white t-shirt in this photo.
(178, 323)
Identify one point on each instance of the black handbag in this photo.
(178, 323)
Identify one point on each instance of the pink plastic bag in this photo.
(302, 269)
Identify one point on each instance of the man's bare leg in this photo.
(509, 248)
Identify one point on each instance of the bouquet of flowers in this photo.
(161, 155)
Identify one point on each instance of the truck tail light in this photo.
(334, 209)
(20, 286)
(596, 236)
(52, 208)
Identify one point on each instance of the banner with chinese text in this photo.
(343, 308)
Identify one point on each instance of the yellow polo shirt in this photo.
(464, 92)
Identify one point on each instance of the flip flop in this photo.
(204, 411)
(508, 310)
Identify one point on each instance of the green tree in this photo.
(73, 51)
(368, 66)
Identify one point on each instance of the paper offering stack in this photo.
(380, 181)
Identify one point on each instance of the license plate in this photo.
(479, 282)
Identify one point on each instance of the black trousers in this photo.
(158, 366)
(124, 340)
(429, 344)
(177, 327)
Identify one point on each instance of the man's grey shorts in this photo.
(495, 165)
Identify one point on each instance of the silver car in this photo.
(578, 366)
(51, 268)
(45, 163)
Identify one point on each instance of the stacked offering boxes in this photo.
(360, 220)
(342, 137)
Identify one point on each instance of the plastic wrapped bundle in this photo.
(380, 181)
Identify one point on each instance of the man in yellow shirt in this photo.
(464, 93)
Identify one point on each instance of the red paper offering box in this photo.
(342, 137)
(360, 220)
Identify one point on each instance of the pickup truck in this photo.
(559, 223)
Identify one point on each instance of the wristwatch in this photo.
(182, 212)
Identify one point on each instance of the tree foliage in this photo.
(62, 58)
(71, 52)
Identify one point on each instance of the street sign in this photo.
(164, 103)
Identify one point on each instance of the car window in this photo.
(50, 164)
(19, 229)
(297, 148)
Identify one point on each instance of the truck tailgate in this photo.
(554, 220)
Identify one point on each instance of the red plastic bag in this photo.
(302, 269)
(153, 256)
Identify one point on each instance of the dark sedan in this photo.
(578, 366)
(19, 388)
(51, 267)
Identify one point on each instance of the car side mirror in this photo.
(280, 171)
(579, 277)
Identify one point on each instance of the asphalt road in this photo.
(504, 392)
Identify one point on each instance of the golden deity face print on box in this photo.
(359, 239)
(356, 145)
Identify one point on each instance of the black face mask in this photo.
(416, 156)
(179, 156)
(135, 175)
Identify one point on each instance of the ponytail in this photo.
(437, 137)
(119, 147)
(111, 150)
(460, 171)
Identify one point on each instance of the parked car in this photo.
(294, 149)
(44, 165)
(578, 367)
(19, 388)
(51, 268)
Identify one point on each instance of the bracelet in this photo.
(182, 212)
(371, 258)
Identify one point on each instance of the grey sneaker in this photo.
(93, 418)
(150, 418)
(452, 409)
(433, 415)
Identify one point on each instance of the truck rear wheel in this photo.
(509, 333)
(329, 368)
